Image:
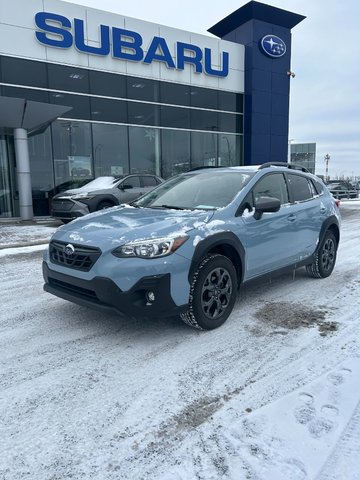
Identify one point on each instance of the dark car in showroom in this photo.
(103, 192)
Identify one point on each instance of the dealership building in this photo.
(86, 93)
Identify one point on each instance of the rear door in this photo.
(310, 212)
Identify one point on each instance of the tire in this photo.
(212, 293)
(325, 257)
(104, 204)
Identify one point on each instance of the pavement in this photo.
(15, 232)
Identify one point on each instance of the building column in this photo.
(23, 173)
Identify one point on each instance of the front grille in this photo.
(82, 259)
(62, 205)
(83, 292)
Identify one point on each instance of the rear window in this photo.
(149, 181)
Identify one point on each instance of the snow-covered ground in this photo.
(274, 394)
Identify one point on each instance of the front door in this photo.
(270, 241)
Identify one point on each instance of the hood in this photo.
(93, 186)
(80, 191)
(115, 226)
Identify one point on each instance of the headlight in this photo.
(82, 196)
(151, 248)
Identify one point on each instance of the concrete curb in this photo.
(24, 244)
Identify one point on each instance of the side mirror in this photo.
(266, 205)
(125, 186)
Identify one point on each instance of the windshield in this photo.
(205, 191)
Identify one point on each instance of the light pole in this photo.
(326, 160)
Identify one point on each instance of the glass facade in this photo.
(120, 124)
(304, 154)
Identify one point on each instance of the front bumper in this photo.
(103, 294)
(68, 209)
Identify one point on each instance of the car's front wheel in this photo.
(104, 204)
(212, 293)
(325, 257)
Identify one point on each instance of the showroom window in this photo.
(144, 147)
(229, 150)
(143, 114)
(104, 109)
(110, 147)
(175, 152)
(27, 93)
(174, 93)
(203, 149)
(72, 151)
(71, 79)
(80, 104)
(13, 72)
(203, 97)
(142, 89)
(107, 84)
(175, 117)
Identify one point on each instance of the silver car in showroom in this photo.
(103, 192)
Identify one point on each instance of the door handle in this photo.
(291, 218)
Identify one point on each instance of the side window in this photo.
(313, 188)
(148, 181)
(272, 185)
(134, 182)
(319, 187)
(247, 205)
(300, 188)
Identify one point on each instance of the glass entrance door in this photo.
(6, 197)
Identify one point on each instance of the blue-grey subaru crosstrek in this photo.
(186, 247)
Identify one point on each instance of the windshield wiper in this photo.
(172, 207)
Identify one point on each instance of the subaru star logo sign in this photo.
(273, 46)
(69, 250)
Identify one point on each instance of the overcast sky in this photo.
(325, 94)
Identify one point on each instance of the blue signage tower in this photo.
(266, 33)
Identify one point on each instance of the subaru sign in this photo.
(273, 46)
(125, 45)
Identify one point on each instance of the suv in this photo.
(103, 192)
(186, 247)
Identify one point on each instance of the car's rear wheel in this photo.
(212, 293)
(325, 257)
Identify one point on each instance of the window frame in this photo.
(246, 203)
(311, 186)
(267, 175)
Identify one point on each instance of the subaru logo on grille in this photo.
(69, 250)
(273, 46)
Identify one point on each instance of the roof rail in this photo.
(205, 166)
(291, 166)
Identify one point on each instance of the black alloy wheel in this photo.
(212, 294)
